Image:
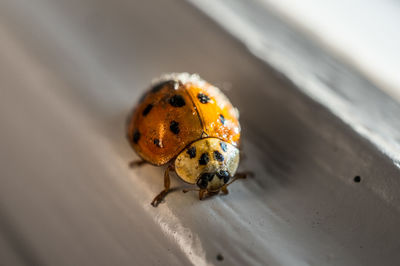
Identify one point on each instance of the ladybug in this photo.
(191, 126)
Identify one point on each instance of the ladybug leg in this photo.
(202, 193)
(159, 198)
(137, 163)
(225, 190)
(186, 190)
(242, 175)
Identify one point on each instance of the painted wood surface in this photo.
(71, 71)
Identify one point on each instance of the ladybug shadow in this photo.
(115, 130)
(278, 134)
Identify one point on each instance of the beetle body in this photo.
(189, 124)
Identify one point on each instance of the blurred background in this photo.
(318, 91)
(363, 36)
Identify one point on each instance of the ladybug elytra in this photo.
(187, 123)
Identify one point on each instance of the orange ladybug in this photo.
(187, 123)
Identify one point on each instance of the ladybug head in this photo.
(209, 163)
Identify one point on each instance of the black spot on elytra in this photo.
(174, 127)
(192, 152)
(159, 86)
(223, 145)
(177, 101)
(157, 143)
(136, 136)
(357, 179)
(147, 109)
(203, 98)
(204, 159)
(218, 156)
(222, 174)
(220, 257)
(222, 119)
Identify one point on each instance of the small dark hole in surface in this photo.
(220, 257)
(357, 179)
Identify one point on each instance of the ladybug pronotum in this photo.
(187, 123)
